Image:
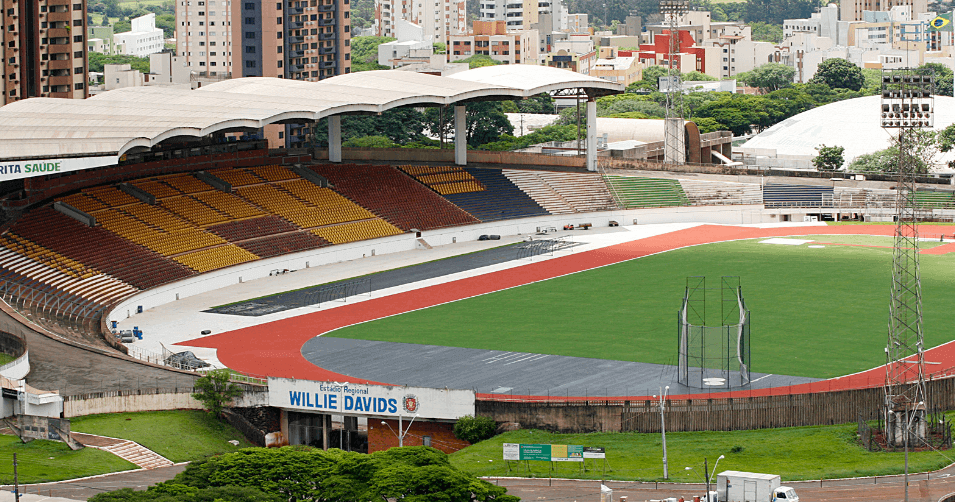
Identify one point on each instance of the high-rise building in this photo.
(439, 19)
(521, 14)
(851, 10)
(204, 35)
(44, 49)
(297, 39)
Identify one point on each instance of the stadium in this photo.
(349, 288)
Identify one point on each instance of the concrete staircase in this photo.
(130, 451)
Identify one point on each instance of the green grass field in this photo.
(43, 461)
(796, 453)
(815, 312)
(180, 435)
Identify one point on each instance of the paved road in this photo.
(85, 488)
(922, 488)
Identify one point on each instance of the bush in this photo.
(474, 429)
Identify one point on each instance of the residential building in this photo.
(575, 53)
(204, 35)
(614, 67)
(438, 19)
(632, 26)
(522, 14)
(493, 39)
(687, 55)
(853, 10)
(44, 49)
(577, 23)
(100, 39)
(411, 46)
(297, 39)
(143, 38)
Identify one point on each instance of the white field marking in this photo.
(760, 378)
(785, 242)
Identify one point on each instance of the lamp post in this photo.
(707, 474)
(663, 429)
(400, 434)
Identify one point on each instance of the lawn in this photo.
(815, 312)
(180, 435)
(797, 453)
(43, 461)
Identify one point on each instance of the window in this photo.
(250, 20)
(78, 86)
(77, 6)
(278, 20)
(426, 440)
(212, 63)
(279, 62)
(78, 54)
(250, 64)
(251, 35)
(278, 49)
(78, 70)
(202, 63)
(250, 49)
(76, 22)
(249, 6)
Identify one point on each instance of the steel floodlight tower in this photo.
(674, 139)
(907, 106)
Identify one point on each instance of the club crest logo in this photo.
(410, 403)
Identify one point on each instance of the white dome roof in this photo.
(852, 124)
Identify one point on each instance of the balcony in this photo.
(328, 50)
(295, 40)
(296, 54)
(326, 36)
(62, 64)
(294, 25)
(294, 11)
(326, 8)
(327, 22)
(295, 68)
(58, 32)
(327, 64)
(66, 82)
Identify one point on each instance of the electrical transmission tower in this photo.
(674, 139)
(907, 106)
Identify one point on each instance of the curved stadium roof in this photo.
(114, 122)
(852, 124)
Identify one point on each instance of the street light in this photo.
(707, 474)
(400, 435)
(663, 429)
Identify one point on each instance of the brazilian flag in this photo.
(942, 22)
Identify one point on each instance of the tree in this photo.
(770, 76)
(370, 142)
(839, 73)
(485, 122)
(399, 126)
(413, 473)
(98, 61)
(695, 76)
(776, 11)
(215, 391)
(478, 60)
(829, 158)
(474, 429)
(943, 77)
(920, 147)
(364, 53)
(946, 139)
(765, 32)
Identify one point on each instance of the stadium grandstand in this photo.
(135, 199)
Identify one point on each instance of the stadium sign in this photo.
(544, 452)
(375, 400)
(17, 169)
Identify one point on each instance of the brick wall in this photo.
(380, 437)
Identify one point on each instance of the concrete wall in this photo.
(148, 400)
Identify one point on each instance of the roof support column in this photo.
(335, 138)
(460, 136)
(591, 134)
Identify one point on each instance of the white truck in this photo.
(736, 486)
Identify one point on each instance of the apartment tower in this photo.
(438, 19)
(44, 49)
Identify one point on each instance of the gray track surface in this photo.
(500, 372)
(382, 280)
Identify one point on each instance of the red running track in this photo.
(274, 348)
